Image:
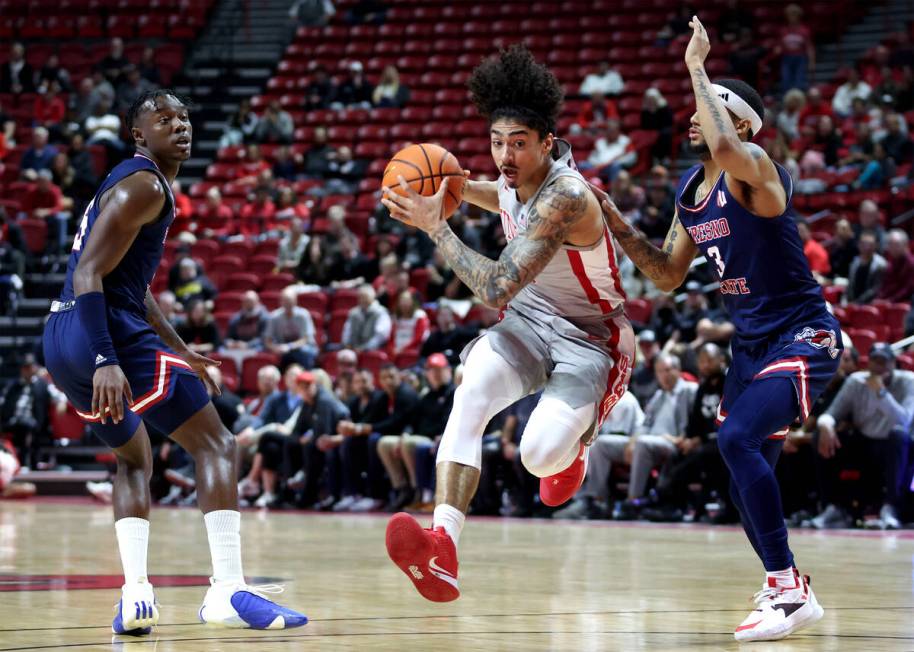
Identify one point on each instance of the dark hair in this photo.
(139, 104)
(749, 94)
(388, 366)
(513, 85)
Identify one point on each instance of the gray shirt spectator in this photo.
(867, 271)
(667, 413)
(289, 326)
(873, 413)
(368, 325)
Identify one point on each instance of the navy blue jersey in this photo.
(764, 275)
(125, 287)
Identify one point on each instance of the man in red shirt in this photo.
(257, 215)
(815, 253)
(45, 201)
(898, 282)
(798, 56)
(215, 219)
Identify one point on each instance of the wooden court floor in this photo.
(527, 585)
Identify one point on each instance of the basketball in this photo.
(423, 167)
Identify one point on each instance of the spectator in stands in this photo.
(168, 306)
(798, 54)
(104, 126)
(345, 172)
(337, 231)
(694, 310)
(867, 270)
(39, 156)
(102, 87)
(252, 166)
(879, 404)
(285, 164)
(321, 91)
(877, 172)
(45, 201)
(49, 110)
(241, 126)
(367, 11)
(643, 381)
(149, 69)
(827, 140)
(198, 329)
(612, 152)
(191, 283)
(628, 196)
(290, 332)
(860, 151)
(351, 267)
(853, 87)
(314, 13)
(184, 210)
(410, 325)
(898, 281)
(13, 254)
(657, 116)
(24, 409)
(449, 337)
(63, 175)
(788, 121)
(733, 20)
(228, 404)
(368, 326)
(316, 266)
(605, 80)
(746, 55)
(356, 91)
(268, 378)
(275, 125)
(257, 215)
(288, 208)
(16, 75)
(247, 326)
(215, 218)
(815, 253)
(816, 107)
(424, 426)
(442, 282)
(659, 207)
(842, 249)
(317, 159)
(389, 91)
(869, 218)
(132, 86)
(83, 101)
(115, 64)
(897, 142)
(594, 114)
(292, 246)
(664, 317)
(676, 25)
(415, 248)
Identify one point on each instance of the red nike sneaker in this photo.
(558, 489)
(427, 556)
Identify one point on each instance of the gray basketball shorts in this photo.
(577, 364)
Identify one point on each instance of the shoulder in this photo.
(565, 199)
(857, 378)
(904, 375)
(142, 186)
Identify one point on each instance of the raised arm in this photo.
(666, 267)
(482, 193)
(558, 209)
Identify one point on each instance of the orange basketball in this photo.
(423, 167)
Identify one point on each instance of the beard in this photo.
(702, 151)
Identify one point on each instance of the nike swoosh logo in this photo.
(749, 626)
(437, 569)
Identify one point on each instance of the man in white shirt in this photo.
(606, 81)
(853, 88)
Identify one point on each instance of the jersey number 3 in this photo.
(714, 254)
(81, 232)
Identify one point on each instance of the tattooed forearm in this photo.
(161, 326)
(715, 122)
(653, 262)
(496, 282)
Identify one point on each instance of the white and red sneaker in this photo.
(427, 556)
(559, 488)
(780, 611)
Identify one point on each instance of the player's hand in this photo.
(424, 213)
(328, 442)
(611, 214)
(699, 44)
(109, 384)
(509, 451)
(828, 443)
(199, 363)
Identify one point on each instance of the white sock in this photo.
(784, 579)
(133, 542)
(451, 519)
(223, 529)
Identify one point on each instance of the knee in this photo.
(539, 455)
(219, 443)
(731, 439)
(141, 463)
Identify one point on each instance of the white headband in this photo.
(739, 107)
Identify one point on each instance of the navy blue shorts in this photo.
(808, 355)
(166, 391)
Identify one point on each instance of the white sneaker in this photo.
(247, 488)
(780, 612)
(101, 491)
(235, 604)
(889, 517)
(137, 611)
(344, 504)
(297, 481)
(366, 505)
(265, 500)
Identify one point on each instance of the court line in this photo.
(461, 616)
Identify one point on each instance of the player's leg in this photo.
(429, 556)
(391, 453)
(786, 602)
(229, 602)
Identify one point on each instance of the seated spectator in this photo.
(184, 210)
(410, 324)
(82, 102)
(816, 107)
(827, 140)
(114, 65)
(424, 426)
(442, 282)
(389, 91)
(732, 20)
(842, 249)
(44, 201)
(241, 126)
(249, 170)
(247, 326)
(860, 151)
(228, 404)
(275, 125)
(798, 54)
(347, 362)
(289, 208)
(449, 337)
(897, 142)
(198, 329)
(356, 91)
(317, 264)
(866, 272)
(268, 378)
(337, 231)
(345, 172)
(16, 75)
(168, 306)
(867, 427)
(104, 126)
(869, 218)
(215, 218)
(367, 11)
(657, 213)
(877, 172)
(815, 253)
(643, 382)
(746, 56)
(612, 445)
(612, 152)
(191, 283)
(102, 87)
(50, 110)
(321, 91)
(13, 254)
(694, 310)
(149, 69)
(256, 216)
(853, 87)
(415, 248)
(312, 12)
(605, 80)
(292, 246)
(24, 408)
(628, 196)
(132, 86)
(290, 332)
(39, 156)
(368, 326)
(317, 159)
(788, 120)
(351, 267)
(676, 25)
(657, 116)
(285, 164)
(898, 280)
(595, 113)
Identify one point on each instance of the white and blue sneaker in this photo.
(235, 604)
(137, 611)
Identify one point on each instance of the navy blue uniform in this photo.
(783, 328)
(165, 389)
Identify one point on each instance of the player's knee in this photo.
(218, 443)
(731, 439)
(540, 455)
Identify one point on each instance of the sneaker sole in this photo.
(408, 547)
(555, 501)
(814, 616)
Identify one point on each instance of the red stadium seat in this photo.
(407, 359)
(639, 310)
(227, 302)
(862, 316)
(241, 248)
(316, 301)
(251, 366)
(205, 250)
(35, 233)
(373, 361)
(240, 282)
(270, 299)
(863, 339)
(335, 325)
(228, 367)
(344, 299)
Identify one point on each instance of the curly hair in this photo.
(139, 104)
(513, 85)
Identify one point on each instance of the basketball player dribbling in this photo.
(121, 364)
(735, 207)
(563, 329)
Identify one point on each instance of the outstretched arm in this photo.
(496, 282)
(482, 193)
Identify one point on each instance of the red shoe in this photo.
(558, 489)
(427, 556)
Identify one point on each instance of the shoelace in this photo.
(767, 593)
(262, 590)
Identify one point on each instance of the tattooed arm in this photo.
(559, 208)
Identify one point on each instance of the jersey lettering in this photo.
(734, 286)
(83, 225)
(708, 231)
